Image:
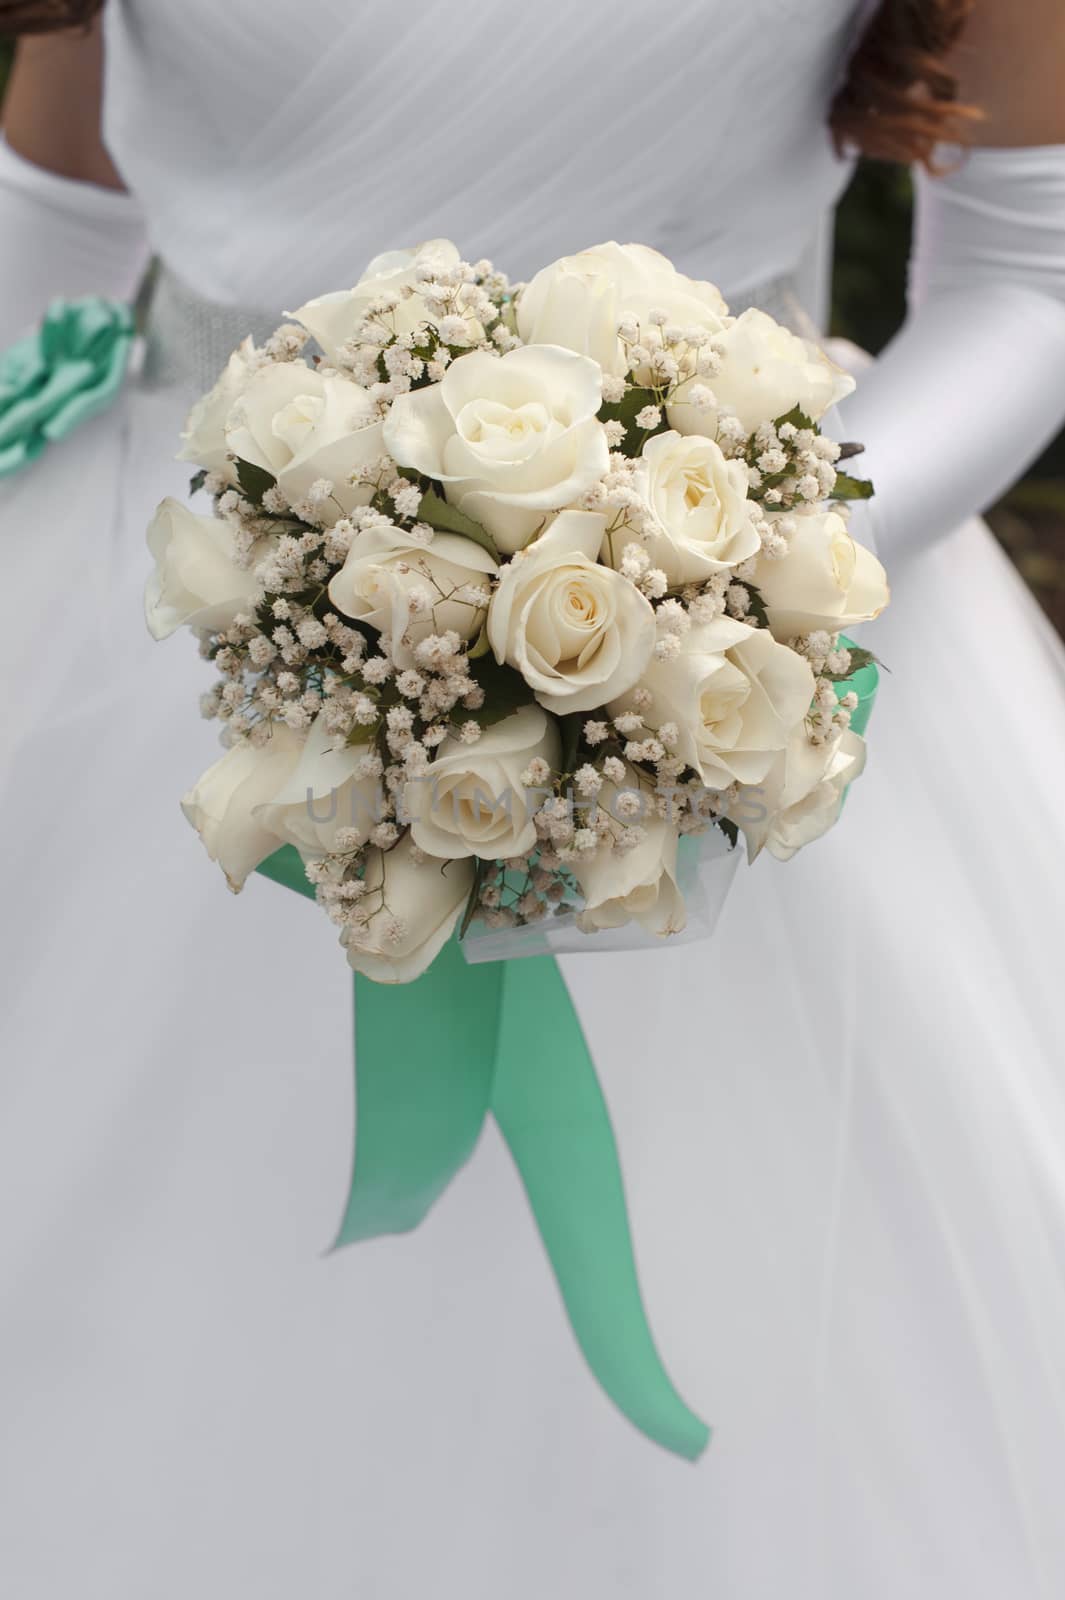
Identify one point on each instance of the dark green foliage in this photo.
(505, 691)
(445, 518)
(848, 488)
(254, 481)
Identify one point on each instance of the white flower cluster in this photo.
(508, 591)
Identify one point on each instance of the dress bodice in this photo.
(274, 150)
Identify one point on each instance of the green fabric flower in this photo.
(58, 377)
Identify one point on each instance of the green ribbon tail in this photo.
(431, 1059)
(550, 1108)
(424, 1059)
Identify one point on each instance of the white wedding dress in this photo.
(841, 1121)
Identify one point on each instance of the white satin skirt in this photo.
(842, 1125)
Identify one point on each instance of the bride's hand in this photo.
(970, 391)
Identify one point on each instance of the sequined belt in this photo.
(189, 339)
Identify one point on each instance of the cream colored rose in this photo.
(205, 427)
(826, 580)
(636, 885)
(735, 695)
(472, 801)
(578, 632)
(511, 438)
(801, 797)
(224, 805)
(579, 301)
(411, 589)
(766, 371)
(703, 519)
(303, 427)
(195, 580)
(333, 319)
(322, 794)
(413, 910)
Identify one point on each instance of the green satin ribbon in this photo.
(432, 1059)
(56, 378)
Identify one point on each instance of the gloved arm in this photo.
(973, 387)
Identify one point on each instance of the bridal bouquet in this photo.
(509, 589)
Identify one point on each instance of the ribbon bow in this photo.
(56, 378)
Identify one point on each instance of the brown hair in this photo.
(898, 102)
(18, 17)
(900, 98)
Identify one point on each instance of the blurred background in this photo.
(872, 245)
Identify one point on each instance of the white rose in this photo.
(195, 580)
(414, 908)
(224, 805)
(472, 801)
(703, 519)
(387, 576)
(637, 885)
(510, 437)
(301, 426)
(801, 796)
(766, 371)
(322, 794)
(333, 319)
(735, 695)
(826, 580)
(204, 435)
(578, 302)
(579, 633)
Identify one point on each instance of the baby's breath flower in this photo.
(536, 773)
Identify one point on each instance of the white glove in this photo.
(973, 388)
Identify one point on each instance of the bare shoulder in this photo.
(1011, 62)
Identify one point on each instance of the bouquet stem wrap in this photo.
(432, 1060)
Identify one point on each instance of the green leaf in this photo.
(197, 481)
(860, 659)
(445, 518)
(505, 691)
(570, 727)
(798, 419)
(480, 873)
(848, 488)
(480, 647)
(757, 606)
(730, 830)
(626, 410)
(254, 481)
